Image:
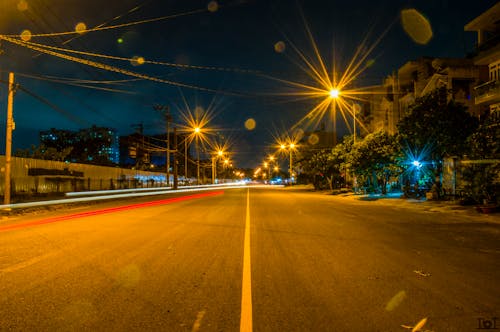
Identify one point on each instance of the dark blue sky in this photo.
(239, 36)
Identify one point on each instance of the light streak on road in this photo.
(109, 210)
(126, 193)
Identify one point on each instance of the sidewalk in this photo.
(397, 200)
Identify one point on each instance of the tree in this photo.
(437, 125)
(320, 167)
(374, 159)
(484, 176)
(45, 153)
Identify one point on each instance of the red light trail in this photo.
(108, 210)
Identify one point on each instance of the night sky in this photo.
(229, 50)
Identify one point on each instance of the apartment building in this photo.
(487, 53)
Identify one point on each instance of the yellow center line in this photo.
(246, 291)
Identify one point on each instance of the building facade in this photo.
(487, 53)
(390, 101)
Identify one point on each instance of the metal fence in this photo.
(38, 177)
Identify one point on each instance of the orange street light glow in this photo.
(329, 84)
(334, 93)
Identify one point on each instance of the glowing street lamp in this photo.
(197, 133)
(290, 148)
(334, 93)
(218, 155)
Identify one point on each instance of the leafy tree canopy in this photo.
(438, 125)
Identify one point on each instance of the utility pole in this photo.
(176, 162)
(185, 159)
(214, 166)
(8, 138)
(168, 119)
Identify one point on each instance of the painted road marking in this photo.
(246, 291)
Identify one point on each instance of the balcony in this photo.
(488, 92)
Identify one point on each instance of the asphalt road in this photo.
(283, 260)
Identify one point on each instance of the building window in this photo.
(494, 71)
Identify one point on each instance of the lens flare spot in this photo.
(370, 63)
(129, 276)
(279, 47)
(395, 301)
(198, 110)
(416, 26)
(313, 139)
(26, 35)
(213, 6)
(119, 40)
(298, 134)
(80, 27)
(137, 61)
(22, 5)
(250, 124)
(356, 108)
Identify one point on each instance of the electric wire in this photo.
(108, 67)
(75, 83)
(138, 60)
(100, 28)
(58, 109)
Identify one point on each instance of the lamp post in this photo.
(271, 161)
(291, 146)
(197, 131)
(334, 94)
(219, 154)
(168, 119)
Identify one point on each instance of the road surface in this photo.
(249, 259)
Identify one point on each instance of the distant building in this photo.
(95, 145)
(487, 26)
(391, 100)
(149, 151)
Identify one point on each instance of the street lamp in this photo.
(219, 154)
(271, 161)
(291, 147)
(197, 132)
(334, 94)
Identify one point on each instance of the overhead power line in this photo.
(100, 27)
(58, 109)
(143, 61)
(107, 67)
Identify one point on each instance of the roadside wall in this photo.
(35, 176)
